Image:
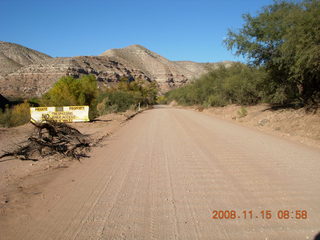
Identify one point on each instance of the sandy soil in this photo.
(163, 174)
(21, 179)
(295, 125)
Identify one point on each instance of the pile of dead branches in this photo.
(50, 138)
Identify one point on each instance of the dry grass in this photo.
(15, 116)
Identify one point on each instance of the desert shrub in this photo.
(69, 91)
(101, 107)
(119, 101)
(127, 95)
(144, 92)
(242, 112)
(161, 99)
(238, 84)
(16, 115)
(214, 100)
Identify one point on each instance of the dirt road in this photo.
(163, 174)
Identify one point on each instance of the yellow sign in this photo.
(60, 114)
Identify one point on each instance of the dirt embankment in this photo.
(294, 124)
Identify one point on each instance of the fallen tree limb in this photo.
(50, 138)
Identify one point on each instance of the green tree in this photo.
(68, 91)
(238, 84)
(127, 94)
(120, 101)
(285, 39)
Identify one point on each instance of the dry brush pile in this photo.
(50, 138)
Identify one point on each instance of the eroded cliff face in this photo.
(166, 73)
(27, 73)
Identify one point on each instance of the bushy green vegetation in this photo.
(117, 101)
(15, 116)
(242, 112)
(69, 91)
(238, 84)
(127, 95)
(284, 39)
(122, 96)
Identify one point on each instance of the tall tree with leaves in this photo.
(284, 38)
(69, 91)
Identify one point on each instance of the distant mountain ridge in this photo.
(165, 72)
(28, 73)
(14, 56)
(197, 69)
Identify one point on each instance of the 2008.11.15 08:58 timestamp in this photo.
(263, 214)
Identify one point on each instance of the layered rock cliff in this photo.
(27, 73)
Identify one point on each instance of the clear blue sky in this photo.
(176, 29)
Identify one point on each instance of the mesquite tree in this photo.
(284, 38)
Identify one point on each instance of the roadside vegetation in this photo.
(69, 91)
(15, 116)
(122, 96)
(281, 45)
(127, 95)
(238, 84)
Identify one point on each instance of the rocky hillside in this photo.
(28, 73)
(197, 69)
(166, 73)
(14, 56)
(36, 79)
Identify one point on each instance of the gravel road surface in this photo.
(165, 172)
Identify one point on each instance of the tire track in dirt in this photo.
(163, 173)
